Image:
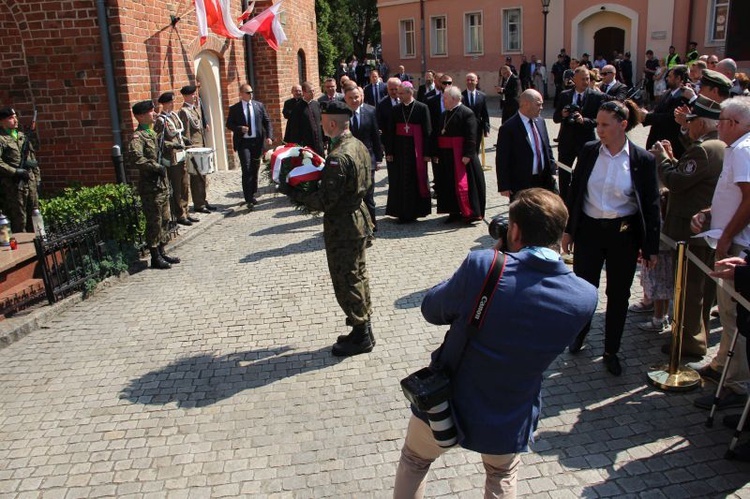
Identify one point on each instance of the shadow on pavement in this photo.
(203, 380)
(314, 243)
(412, 300)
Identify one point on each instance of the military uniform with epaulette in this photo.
(192, 120)
(153, 187)
(18, 181)
(346, 228)
(691, 181)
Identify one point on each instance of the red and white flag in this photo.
(216, 14)
(267, 24)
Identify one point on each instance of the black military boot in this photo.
(343, 338)
(167, 258)
(359, 341)
(157, 262)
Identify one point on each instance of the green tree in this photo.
(345, 28)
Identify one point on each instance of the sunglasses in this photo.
(616, 108)
(447, 82)
(249, 92)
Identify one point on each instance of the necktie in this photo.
(537, 147)
(471, 99)
(355, 122)
(247, 114)
(375, 93)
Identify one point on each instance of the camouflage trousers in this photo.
(20, 199)
(157, 214)
(346, 263)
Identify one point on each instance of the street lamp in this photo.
(545, 11)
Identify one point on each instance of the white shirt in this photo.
(728, 196)
(610, 192)
(538, 165)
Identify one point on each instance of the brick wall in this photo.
(53, 49)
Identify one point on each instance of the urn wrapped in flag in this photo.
(294, 168)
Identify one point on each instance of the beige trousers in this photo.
(420, 450)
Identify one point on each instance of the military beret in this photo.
(704, 107)
(715, 79)
(166, 97)
(336, 107)
(143, 107)
(6, 112)
(188, 90)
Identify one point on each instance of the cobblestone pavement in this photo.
(215, 379)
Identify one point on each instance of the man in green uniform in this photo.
(19, 176)
(346, 225)
(153, 185)
(691, 182)
(191, 116)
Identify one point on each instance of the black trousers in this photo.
(615, 243)
(564, 177)
(249, 152)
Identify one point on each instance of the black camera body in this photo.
(498, 229)
(572, 110)
(426, 388)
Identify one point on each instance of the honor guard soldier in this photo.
(191, 116)
(19, 172)
(346, 225)
(144, 154)
(169, 124)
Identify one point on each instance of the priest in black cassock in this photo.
(459, 179)
(406, 141)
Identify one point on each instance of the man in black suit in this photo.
(476, 100)
(386, 104)
(661, 119)
(614, 214)
(576, 110)
(303, 127)
(329, 92)
(290, 103)
(525, 73)
(402, 74)
(510, 89)
(251, 132)
(524, 157)
(428, 88)
(610, 86)
(375, 90)
(364, 126)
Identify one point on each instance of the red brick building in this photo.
(54, 60)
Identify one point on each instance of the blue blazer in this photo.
(369, 133)
(539, 306)
(379, 88)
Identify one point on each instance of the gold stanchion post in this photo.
(672, 377)
(484, 166)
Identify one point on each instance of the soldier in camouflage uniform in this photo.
(346, 226)
(153, 186)
(18, 181)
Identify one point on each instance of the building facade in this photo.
(55, 61)
(477, 35)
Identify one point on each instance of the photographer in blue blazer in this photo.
(538, 307)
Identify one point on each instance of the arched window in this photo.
(301, 65)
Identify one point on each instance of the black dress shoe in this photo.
(203, 210)
(193, 219)
(210, 207)
(184, 221)
(254, 201)
(612, 363)
(577, 344)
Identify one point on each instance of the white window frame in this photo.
(504, 23)
(713, 6)
(434, 36)
(402, 38)
(468, 34)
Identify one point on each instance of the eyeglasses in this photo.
(248, 91)
(616, 108)
(447, 82)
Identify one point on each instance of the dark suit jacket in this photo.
(511, 91)
(434, 104)
(645, 183)
(304, 127)
(663, 125)
(479, 108)
(324, 99)
(423, 95)
(383, 112)
(369, 134)
(403, 76)
(369, 99)
(288, 106)
(514, 159)
(573, 135)
(619, 91)
(236, 119)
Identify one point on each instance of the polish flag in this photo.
(267, 24)
(215, 14)
(307, 172)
